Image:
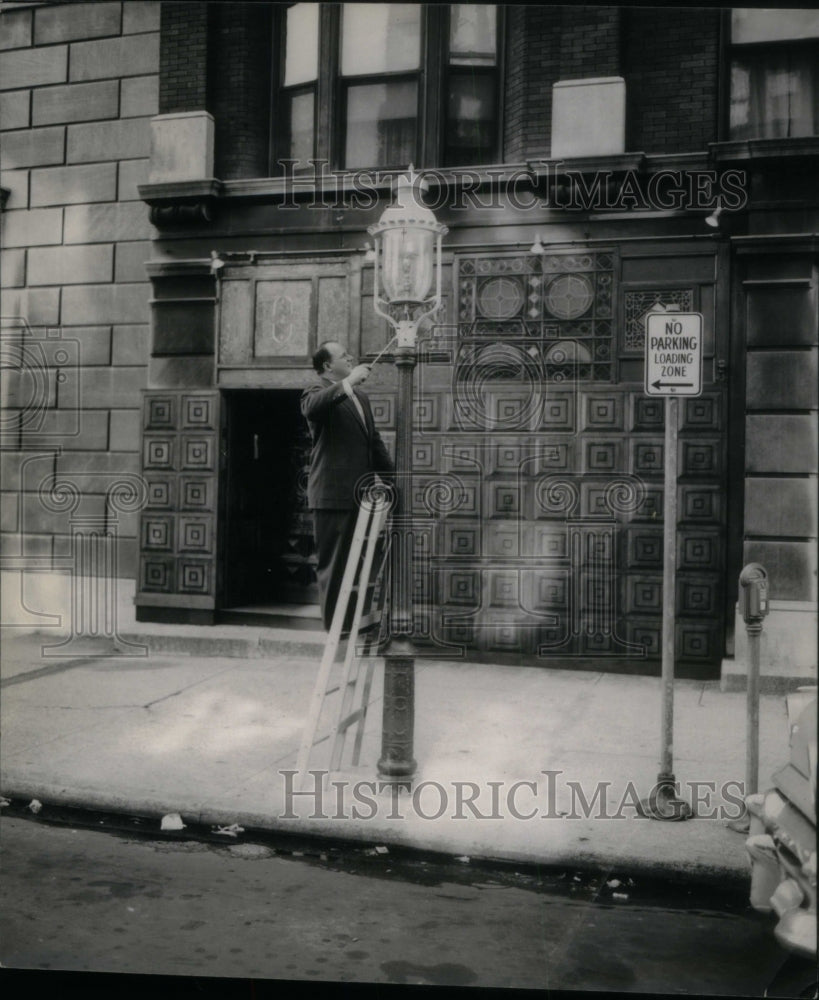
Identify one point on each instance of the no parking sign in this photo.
(673, 354)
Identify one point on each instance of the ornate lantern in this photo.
(407, 260)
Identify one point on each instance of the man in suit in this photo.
(346, 446)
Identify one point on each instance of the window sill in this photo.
(764, 150)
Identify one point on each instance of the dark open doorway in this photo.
(267, 546)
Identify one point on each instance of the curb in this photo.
(91, 800)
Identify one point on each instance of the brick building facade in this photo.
(140, 143)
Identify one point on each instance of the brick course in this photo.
(183, 57)
(672, 103)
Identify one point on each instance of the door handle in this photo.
(255, 447)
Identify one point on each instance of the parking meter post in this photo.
(753, 599)
(754, 630)
(753, 604)
(663, 801)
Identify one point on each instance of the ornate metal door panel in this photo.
(539, 465)
(177, 565)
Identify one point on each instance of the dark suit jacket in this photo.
(343, 448)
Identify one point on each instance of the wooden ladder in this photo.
(354, 684)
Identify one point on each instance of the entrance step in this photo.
(227, 640)
(287, 616)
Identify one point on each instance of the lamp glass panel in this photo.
(380, 38)
(381, 124)
(301, 55)
(407, 257)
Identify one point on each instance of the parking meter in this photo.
(753, 593)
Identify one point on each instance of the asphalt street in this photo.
(74, 898)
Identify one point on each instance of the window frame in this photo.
(764, 49)
(331, 90)
(449, 71)
(279, 99)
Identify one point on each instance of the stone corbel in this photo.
(184, 203)
(181, 189)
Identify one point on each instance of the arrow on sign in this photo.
(662, 385)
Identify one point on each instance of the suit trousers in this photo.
(334, 531)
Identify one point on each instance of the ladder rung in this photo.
(367, 621)
(368, 590)
(350, 719)
(332, 690)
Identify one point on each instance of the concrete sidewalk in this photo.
(208, 737)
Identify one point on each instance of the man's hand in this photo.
(358, 374)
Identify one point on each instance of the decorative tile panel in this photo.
(158, 453)
(197, 412)
(196, 493)
(603, 413)
(197, 452)
(195, 535)
(462, 587)
(645, 595)
(160, 494)
(383, 409)
(160, 413)
(503, 500)
(157, 533)
(644, 549)
(502, 541)
(647, 414)
(601, 456)
(696, 596)
(180, 439)
(702, 414)
(639, 304)
(700, 503)
(700, 458)
(194, 577)
(646, 457)
(698, 551)
(549, 542)
(503, 587)
(462, 540)
(157, 574)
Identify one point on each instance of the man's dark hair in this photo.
(322, 355)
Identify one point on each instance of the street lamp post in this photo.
(407, 261)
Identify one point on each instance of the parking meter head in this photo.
(753, 592)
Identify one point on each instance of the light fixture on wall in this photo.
(712, 220)
(216, 263)
(537, 246)
(369, 253)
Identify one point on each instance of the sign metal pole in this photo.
(673, 369)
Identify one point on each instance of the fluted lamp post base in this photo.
(398, 724)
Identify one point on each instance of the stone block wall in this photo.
(79, 83)
(779, 316)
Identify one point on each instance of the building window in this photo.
(380, 86)
(299, 78)
(379, 74)
(470, 135)
(774, 74)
